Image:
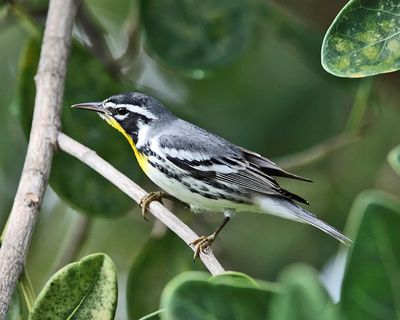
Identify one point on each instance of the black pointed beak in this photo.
(92, 106)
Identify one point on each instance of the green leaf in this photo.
(192, 295)
(371, 284)
(147, 272)
(234, 278)
(303, 296)
(363, 40)
(95, 196)
(196, 34)
(153, 316)
(82, 290)
(394, 159)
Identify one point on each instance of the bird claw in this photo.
(150, 197)
(203, 244)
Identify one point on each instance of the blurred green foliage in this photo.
(394, 159)
(206, 35)
(12, 146)
(249, 71)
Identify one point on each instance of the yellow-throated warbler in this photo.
(200, 168)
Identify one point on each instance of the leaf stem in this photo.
(26, 287)
(354, 123)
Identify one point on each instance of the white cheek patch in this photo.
(143, 134)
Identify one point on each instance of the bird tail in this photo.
(289, 210)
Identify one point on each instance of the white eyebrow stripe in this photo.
(139, 110)
(110, 104)
(132, 108)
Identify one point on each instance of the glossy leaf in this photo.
(303, 296)
(363, 40)
(196, 35)
(86, 81)
(371, 284)
(82, 290)
(148, 271)
(394, 159)
(192, 295)
(234, 278)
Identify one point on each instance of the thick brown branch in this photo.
(126, 185)
(42, 141)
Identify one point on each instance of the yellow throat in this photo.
(141, 158)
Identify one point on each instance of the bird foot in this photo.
(203, 244)
(150, 197)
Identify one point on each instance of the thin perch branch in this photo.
(130, 188)
(42, 141)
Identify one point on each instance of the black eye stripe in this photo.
(144, 119)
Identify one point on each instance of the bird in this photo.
(201, 169)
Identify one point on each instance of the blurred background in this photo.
(248, 71)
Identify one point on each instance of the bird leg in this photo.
(154, 196)
(203, 243)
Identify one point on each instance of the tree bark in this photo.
(42, 142)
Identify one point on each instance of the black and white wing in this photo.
(269, 167)
(216, 161)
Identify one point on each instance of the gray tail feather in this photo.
(289, 210)
(311, 219)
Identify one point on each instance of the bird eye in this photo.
(122, 111)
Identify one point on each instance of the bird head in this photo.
(129, 112)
